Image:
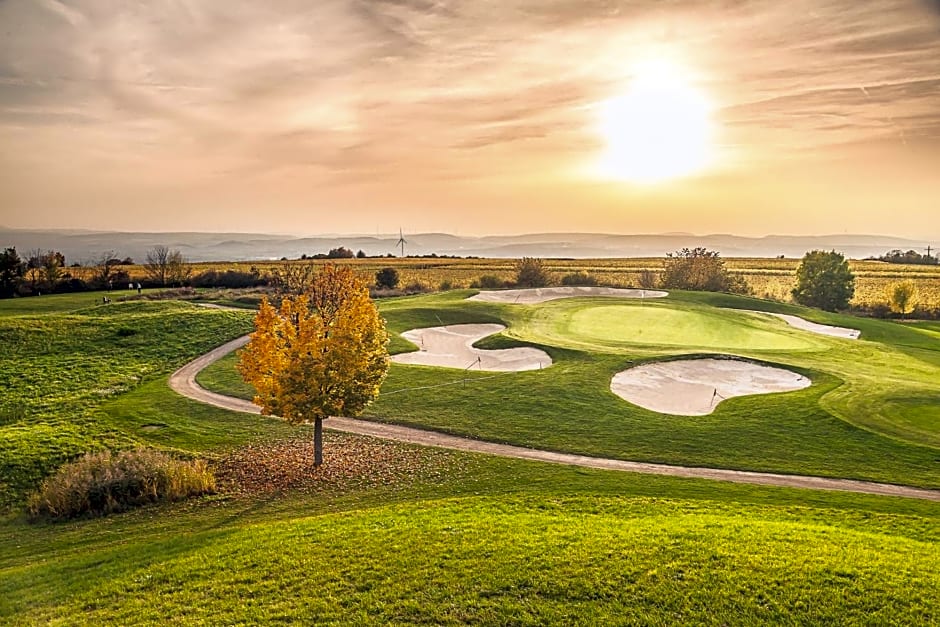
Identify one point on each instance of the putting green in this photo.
(612, 326)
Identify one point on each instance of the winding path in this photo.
(183, 381)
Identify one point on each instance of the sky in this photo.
(477, 117)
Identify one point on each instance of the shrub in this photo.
(340, 253)
(699, 269)
(416, 287)
(101, 483)
(446, 285)
(72, 285)
(649, 279)
(230, 279)
(824, 280)
(489, 281)
(531, 272)
(579, 278)
(387, 278)
(902, 297)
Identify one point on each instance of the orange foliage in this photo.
(322, 353)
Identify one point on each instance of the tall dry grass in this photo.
(102, 483)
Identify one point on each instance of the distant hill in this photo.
(83, 246)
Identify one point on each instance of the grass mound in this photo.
(612, 326)
(104, 482)
(519, 558)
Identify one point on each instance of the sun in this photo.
(658, 129)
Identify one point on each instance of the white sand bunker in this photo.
(451, 347)
(533, 296)
(813, 327)
(694, 387)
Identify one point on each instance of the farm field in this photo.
(500, 540)
(767, 278)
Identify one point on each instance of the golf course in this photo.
(396, 532)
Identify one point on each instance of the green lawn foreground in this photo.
(493, 541)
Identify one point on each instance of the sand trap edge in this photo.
(695, 386)
(537, 295)
(451, 346)
(803, 324)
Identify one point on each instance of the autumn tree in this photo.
(824, 280)
(902, 297)
(321, 353)
(292, 277)
(699, 269)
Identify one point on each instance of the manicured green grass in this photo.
(512, 541)
(870, 414)
(223, 375)
(153, 415)
(60, 303)
(609, 325)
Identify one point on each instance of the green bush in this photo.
(824, 280)
(105, 482)
(531, 272)
(387, 278)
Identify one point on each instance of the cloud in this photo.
(350, 92)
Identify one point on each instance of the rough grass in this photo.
(59, 368)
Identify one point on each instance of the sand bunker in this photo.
(537, 295)
(805, 325)
(451, 347)
(694, 387)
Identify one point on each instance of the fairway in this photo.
(606, 326)
(869, 413)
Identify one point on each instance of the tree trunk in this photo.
(317, 442)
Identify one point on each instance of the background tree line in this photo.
(46, 272)
(910, 256)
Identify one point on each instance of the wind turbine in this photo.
(401, 242)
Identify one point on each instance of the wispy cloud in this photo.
(353, 91)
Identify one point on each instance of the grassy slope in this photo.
(58, 368)
(835, 428)
(501, 541)
(527, 557)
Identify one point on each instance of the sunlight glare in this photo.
(660, 128)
